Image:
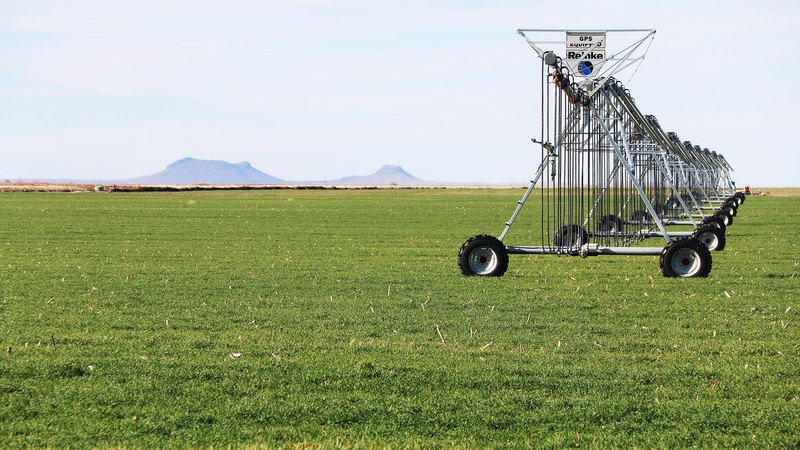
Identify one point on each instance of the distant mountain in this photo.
(191, 171)
(201, 171)
(386, 175)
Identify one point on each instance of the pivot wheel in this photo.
(731, 208)
(710, 236)
(685, 258)
(640, 216)
(483, 255)
(610, 223)
(671, 204)
(715, 221)
(726, 217)
(570, 236)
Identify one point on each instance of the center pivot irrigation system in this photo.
(610, 177)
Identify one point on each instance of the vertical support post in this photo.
(636, 183)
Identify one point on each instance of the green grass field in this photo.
(279, 318)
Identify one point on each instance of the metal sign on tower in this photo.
(585, 52)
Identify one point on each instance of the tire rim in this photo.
(709, 239)
(685, 262)
(482, 260)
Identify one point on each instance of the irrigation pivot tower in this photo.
(610, 176)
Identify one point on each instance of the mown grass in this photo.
(119, 315)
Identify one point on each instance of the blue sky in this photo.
(318, 89)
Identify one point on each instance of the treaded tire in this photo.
(710, 236)
(735, 200)
(715, 221)
(741, 197)
(685, 258)
(610, 223)
(571, 236)
(483, 255)
(731, 207)
(725, 216)
(641, 216)
(672, 204)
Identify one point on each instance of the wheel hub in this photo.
(709, 239)
(685, 262)
(482, 260)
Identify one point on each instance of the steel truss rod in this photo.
(635, 182)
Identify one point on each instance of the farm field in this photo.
(340, 318)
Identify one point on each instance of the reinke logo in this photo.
(585, 67)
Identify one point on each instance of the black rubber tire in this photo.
(727, 218)
(672, 204)
(481, 250)
(640, 216)
(730, 210)
(741, 196)
(570, 236)
(731, 207)
(715, 243)
(610, 224)
(694, 258)
(715, 221)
